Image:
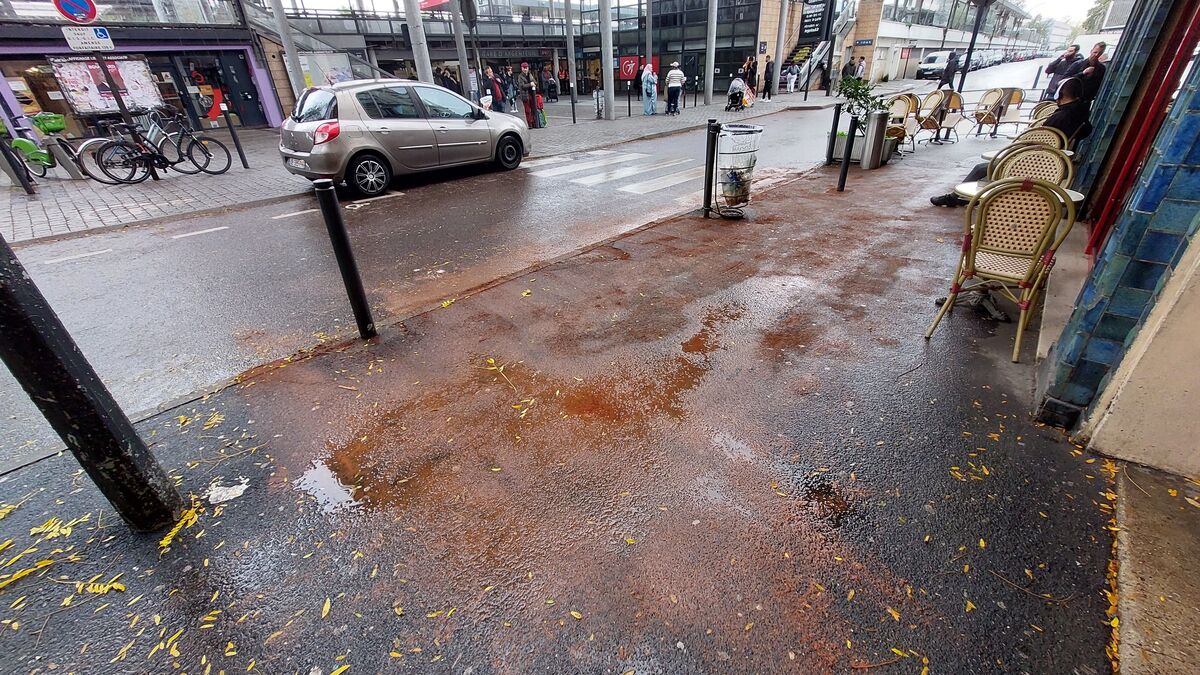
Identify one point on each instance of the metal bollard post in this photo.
(710, 165)
(846, 156)
(44, 358)
(237, 143)
(837, 115)
(332, 213)
(629, 99)
(807, 77)
(16, 168)
(696, 91)
(572, 103)
(1036, 77)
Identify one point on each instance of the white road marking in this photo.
(535, 163)
(371, 199)
(76, 257)
(192, 234)
(601, 152)
(625, 172)
(667, 181)
(584, 166)
(293, 213)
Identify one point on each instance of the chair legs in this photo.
(1021, 323)
(946, 306)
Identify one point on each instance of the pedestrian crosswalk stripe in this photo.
(626, 171)
(666, 181)
(534, 163)
(583, 166)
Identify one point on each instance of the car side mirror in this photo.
(480, 114)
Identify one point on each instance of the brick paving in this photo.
(62, 206)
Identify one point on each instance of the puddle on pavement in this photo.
(322, 485)
(706, 340)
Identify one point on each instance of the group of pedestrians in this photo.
(509, 92)
(674, 84)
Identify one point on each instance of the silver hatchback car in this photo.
(366, 131)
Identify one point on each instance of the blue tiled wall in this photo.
(1137, 42)
(1146, 243)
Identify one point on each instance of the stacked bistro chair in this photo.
(988, 110)
(901, 124)
(1042, 111)
(1038, 162)
(1043, 135)
(929, 113)
(954, 113)
(1011, 231)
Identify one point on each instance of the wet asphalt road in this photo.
(169, 309)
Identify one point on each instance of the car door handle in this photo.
(382, 131)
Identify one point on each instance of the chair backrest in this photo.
(1003, 153)
(1037, 123)
(1044, 135)
(954, 100)
(914, 103)
(898, 108)
(931, 107)
(1039, 162)
(1043, 110)
(1020, 218)
(1016, 97)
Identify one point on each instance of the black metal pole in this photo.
(332, 213)
(41, 355)
(629, 99)
(980, 10)
(18, 168)
(829, 50)
(572, 103)
(237, 143)
(1037, 77)
(846, 156)
(837, 117)
(710, 164)
(808, 75)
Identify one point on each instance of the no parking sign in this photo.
(77, 11)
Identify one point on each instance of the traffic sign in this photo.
(77, 11)
(88, 38)
(629, 67)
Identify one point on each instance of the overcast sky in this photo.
(1066, 10)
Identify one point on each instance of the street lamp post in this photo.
(981, 7)
(710, 53)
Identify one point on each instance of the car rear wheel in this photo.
(368, 175)
(508, 153)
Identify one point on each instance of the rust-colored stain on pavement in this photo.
(693, 449)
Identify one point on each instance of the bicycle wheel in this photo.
(122, 161)
(169, 147)
(85, 159)
(213, 153)
(32, 167)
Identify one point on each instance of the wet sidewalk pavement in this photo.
(704, 446)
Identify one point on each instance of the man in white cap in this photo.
(675, 80)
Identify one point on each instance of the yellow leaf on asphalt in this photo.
(340, 669)
(894, 613)
(850, 595)
(398, 610)
(325, 608)
(578, 616)
(1193, 502)
(1115, 623)
(970, 605)
(526, 293)
(982, 543)
(630, 540)
(1173, 492)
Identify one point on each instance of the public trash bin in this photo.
(737, 153)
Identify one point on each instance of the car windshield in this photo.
(933, 58)
(316, 104)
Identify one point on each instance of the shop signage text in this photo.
(812, 19)
(88, 39)
(864, 43)
(76, 11)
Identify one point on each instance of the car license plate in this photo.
(298, 163)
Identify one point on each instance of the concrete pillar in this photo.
(570, 28)
(606, 57)
(460, 46)
(780, 36)
(416, 34)
(290, 55)
(650, 31)
(710, 51)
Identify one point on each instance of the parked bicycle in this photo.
(129, 160)
(38, 160)
(173, 137)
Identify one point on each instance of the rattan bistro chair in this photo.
(901, 125)
(1042, 110)
(1012, 114)
(954, 113)
(929, 115)
(1044, 135)
(1040, 162)
(987, 111)
(1011, 231)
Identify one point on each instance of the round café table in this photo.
(971, 189)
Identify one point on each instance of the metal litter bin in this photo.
(737, 153)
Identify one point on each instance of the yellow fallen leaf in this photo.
(1173, 492)
(894, 613)
(982, 543)
(970, 605)
(850, 595)
(340, 669)
(526, 293)
(630, 540)
(325, 608)
(578, 616)
(1193, 502)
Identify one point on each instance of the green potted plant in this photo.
(861, 101)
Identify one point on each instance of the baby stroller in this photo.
(736, 102)
(551, 87)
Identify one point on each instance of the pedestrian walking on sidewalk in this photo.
(510, 89)
(768, 78)
(752, 75)
(649, 91)
(492, 86)
(949, 71)
(675, 81)
(860, 71)
(526, 83)
(793, 71)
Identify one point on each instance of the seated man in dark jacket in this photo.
(1071, 118)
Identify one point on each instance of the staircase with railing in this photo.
(261, 20)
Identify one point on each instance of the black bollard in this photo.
(837, 115)
(237, 143)
(629, 99)
(849, 151)
(332, 213)
(807, 77)
(44, 358)
(710, 165)
(572, 103)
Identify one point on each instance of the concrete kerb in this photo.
(303, 354)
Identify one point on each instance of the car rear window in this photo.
(315, 105)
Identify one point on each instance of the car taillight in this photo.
(326, 132)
